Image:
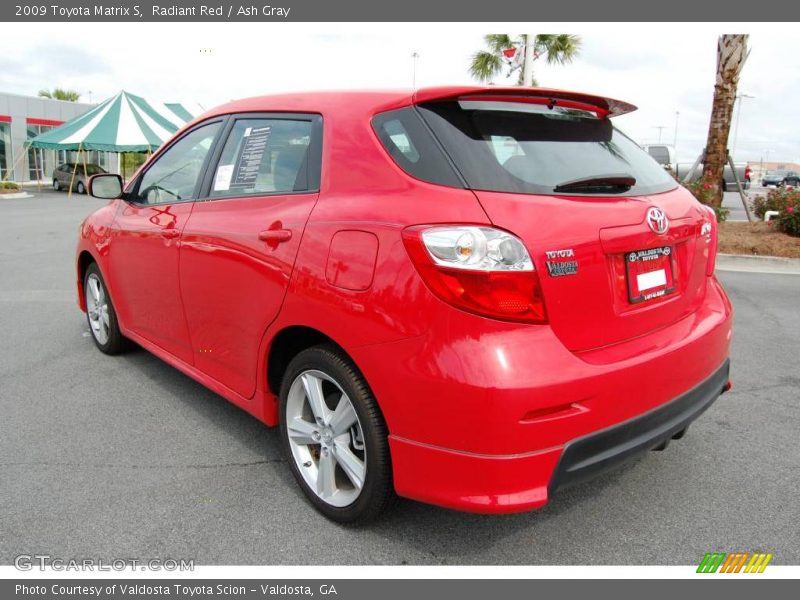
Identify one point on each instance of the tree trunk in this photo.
(731, 55)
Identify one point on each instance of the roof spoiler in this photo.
(603, 107)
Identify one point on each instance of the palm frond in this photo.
(484, 65)
(560, 49)
(497, 42)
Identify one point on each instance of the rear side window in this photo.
(411, 145)
(264, 156)
(530, 148)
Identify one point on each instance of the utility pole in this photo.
(738, 113)
(527, 64)
(414, 57)
(660, 129)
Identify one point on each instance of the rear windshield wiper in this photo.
(614, 183)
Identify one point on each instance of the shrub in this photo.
(8, 185)
(704, 192)
(788, 221)
(777, 199)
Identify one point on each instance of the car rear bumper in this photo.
(497, 421)
(506, 484)
(587, 456)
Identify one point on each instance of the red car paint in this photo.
(479, 409)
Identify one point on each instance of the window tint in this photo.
(264, 156)
(530, 148)
(413, 148)
(173, 176)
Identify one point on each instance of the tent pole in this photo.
(85, 175)
(13, 168)
(74, 169)
(36, 170)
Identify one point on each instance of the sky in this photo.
(662, 68)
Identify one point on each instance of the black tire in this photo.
(377, 493)
(116, 342)
(56, 185)
(81, 188)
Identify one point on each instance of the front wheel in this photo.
(334, 436)
(56, 185)
(100, 313)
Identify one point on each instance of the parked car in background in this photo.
(780, 178)
(63, 174)
(458, 295)
(664, 154)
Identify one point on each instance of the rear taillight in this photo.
(482, 270)
(708, 231)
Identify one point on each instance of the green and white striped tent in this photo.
(124, 123)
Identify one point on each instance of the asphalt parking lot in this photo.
(123, 457)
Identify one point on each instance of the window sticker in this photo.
(251, 154)
(222, 182)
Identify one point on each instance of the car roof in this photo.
(374, 101)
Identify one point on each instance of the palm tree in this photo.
(559, 49)
(60, 94)
(731, 56)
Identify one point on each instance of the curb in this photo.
(744, 263)
(16, 196)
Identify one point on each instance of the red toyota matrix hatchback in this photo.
(467, 296)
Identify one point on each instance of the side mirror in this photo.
(106, 186)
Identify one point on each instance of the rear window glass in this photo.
(531, 148)
(660, 154)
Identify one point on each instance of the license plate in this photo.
(649, 274)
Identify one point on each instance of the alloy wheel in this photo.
(97, 308)
(326, 438)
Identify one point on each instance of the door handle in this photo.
(275, 236)
(170, 233)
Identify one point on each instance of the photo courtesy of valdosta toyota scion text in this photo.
(311, 300)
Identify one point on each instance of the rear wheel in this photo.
(100, 313)
(334, 436)
(81, 188)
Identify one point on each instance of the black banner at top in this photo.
(538, 11)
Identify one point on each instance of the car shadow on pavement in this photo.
(423, 529)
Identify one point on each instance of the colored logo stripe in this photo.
(758, 563)
(734, 562)
(711, 562)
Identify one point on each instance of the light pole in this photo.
(414, 57)
(738, 114)
(660, 129)
(675, 138)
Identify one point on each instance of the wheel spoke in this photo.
(313, 387)
(104, 314)
(94, 288)
(343, 417)
(301, 431)
(326, 481)
(353, 466)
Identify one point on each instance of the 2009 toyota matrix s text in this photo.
(468, 296)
